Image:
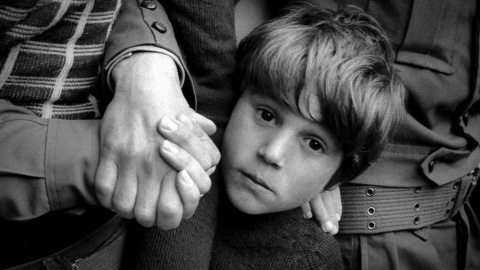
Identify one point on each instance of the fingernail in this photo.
(169, 147)
(338, 217)
(308, 215)
(328, 227)
(211, 170)
(168, 125)
(335, 229)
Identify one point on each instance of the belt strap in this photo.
(369, 209)
(68, 257)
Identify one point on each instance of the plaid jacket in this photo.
(50, 52)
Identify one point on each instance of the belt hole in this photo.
(416, 206)
(417, 190)
(371, 225)
(371, 211)
(370, 192)
(416, 220)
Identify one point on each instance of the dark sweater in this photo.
(273, 241)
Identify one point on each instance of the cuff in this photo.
(145, 48)
(71, 160)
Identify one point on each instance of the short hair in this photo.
(342, 57)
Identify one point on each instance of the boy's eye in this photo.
(315, 145)
(266, 115)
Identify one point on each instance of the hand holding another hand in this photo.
(132, 179)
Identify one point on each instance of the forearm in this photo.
(45, 165)
(146, 28)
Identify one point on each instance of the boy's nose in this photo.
(274, 151)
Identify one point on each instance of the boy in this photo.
(319, 97)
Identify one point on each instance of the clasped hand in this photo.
(132, 179)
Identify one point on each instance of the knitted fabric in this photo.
(50, 52)
(274, 241)
(186, 247)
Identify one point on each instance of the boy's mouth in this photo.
(256, 180)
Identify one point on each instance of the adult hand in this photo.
(132, 179)
(326, 208)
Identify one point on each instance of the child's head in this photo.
(319, 96)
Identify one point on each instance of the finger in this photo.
(189, 193)
(211, 170)
(306, 210)
(149, 191)
(169, 209)
(203, 136)
(180, 134)
(327, 198)
(123, 201)
(181, 160)
(207, 125)
(321, 215)
(105, 180)
(337, 200)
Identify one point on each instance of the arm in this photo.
(44, 164)
(132, 179)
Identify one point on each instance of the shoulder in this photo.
(318, 248)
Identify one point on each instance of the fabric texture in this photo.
(66, 40)
(272, 241)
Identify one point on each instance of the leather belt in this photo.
(370, 209)
(69, 257)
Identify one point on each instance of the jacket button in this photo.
(149, 4)
(456, 185)
(431, 165)
(159, 27)
(465, 118)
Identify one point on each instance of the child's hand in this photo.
(326, 207)
(193, 180)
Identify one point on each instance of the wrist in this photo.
(145, 67)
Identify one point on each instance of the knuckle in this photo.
(144, 216)
(123, 207)
(168, 211)
(168, 219)
(103, 190)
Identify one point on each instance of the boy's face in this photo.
(274, 159)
